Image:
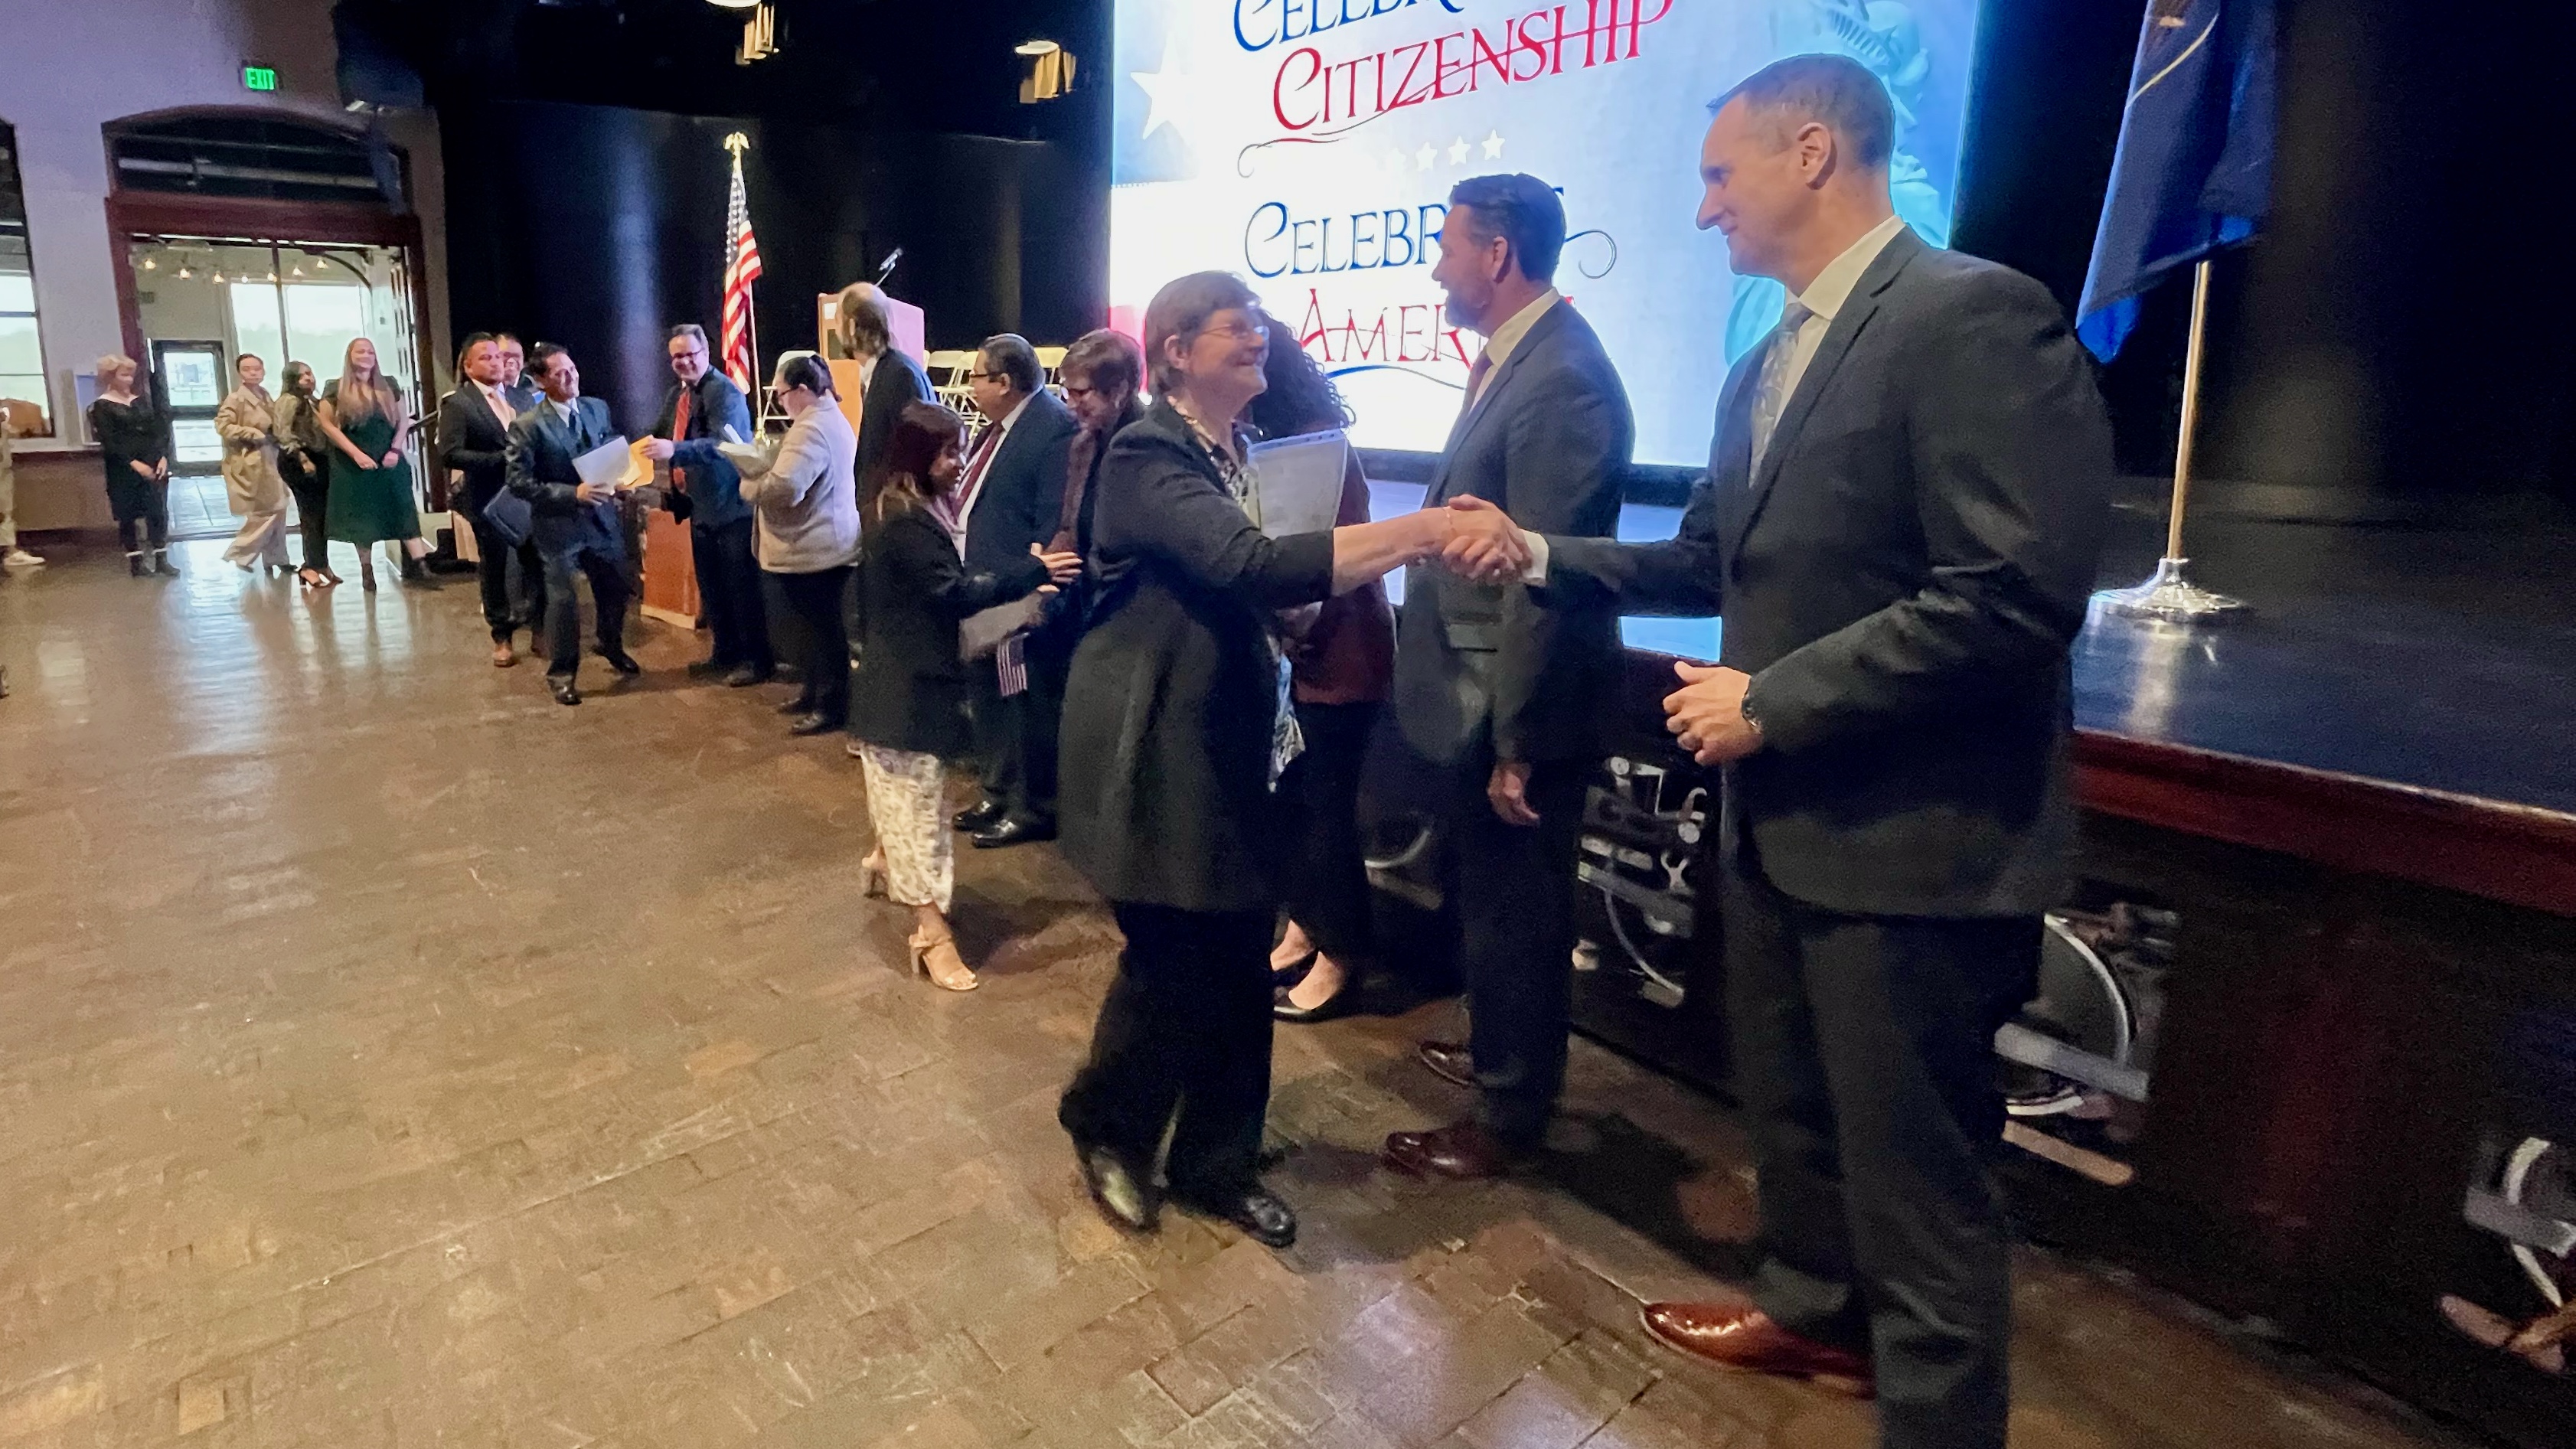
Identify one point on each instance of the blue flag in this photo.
(2194, 169)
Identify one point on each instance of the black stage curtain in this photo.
(600, 227)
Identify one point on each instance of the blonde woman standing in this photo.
(246, 420)
(134, 442)
(371, 491)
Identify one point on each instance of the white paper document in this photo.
(607, 463)
(1297, 482)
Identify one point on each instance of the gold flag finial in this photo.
(737, 143)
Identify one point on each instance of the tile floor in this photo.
(391, 1057)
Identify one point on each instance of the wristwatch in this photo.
(1744, 707)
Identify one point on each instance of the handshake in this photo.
(1474, 540)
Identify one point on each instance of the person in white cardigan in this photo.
(257, 491)
(807, 506)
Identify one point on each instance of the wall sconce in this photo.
(1049, 72)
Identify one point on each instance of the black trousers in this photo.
(1185, 1029)
(1041, 723)
(729, 590)
(1514, 886)
(816, 600)
(609, 592)
(1001, 748)
(493, 555)
(1865, 1066)
(152, 517)
(310, 482)
(1327, 867)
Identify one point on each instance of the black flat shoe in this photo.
(801, 704)
(1258, 1211)
(746, 675)
(1118, 1190)
(563, 690)
(1338, 1004)
(982, 815)
(1011, 832)
(813, 724)
(619, 660)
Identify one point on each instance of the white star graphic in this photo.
(1458, 152)
(1424, 157)
(1493, 144)
(1169, 90)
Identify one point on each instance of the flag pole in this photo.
(2171, 595)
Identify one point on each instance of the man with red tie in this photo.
(706, 490)
(1501, 696)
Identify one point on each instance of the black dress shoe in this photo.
(1449, 1060)
(981, 815)
(1011, 832)
(746, 675)
(563, 689)
(711, 669)
(1120, 1192)
(1465, 1152)
(801, 704)
(814, 724)
(1257, 1210)
(619, 660)
(1336, 1005)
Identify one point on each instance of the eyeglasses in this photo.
(988, 377)
(1238, 331)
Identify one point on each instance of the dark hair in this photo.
(866, 331)
(1835, 91)
(1010, 354)
(691, 331)
(294, 370)
(1109, 361)
(807, 371)
(472, 341)
(921, 432)
(241, 357)
(542, 356)
(1181, 309)
(1300, 397)
(1522, 210)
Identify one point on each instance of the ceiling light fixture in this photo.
(735, 4)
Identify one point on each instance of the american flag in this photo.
(742, 268)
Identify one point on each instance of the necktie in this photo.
(501, 408)
(1771, 389)
(1476, 372)
(680, 434)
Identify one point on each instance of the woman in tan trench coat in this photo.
(252, 484)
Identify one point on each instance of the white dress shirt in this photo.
(1823, 299)
(1498, 347)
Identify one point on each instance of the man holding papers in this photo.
(565, 460)
(1501, 694)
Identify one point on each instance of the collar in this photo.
(491, 391)
(1498, 347)
(563, 410)
(1833, 286)
(1002, 429)
(868, 369)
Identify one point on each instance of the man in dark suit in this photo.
(1501, 695)
(578, 529)
(1013, 489)
(706, 492)
(474, 439)
(888, 379)
(1903, 511)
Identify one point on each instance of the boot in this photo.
(161, 563)
(134, 564)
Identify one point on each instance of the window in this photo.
(22, 354)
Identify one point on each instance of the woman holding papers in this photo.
(909, 701)
(807, 533)
(371, 498)
(1176, 727)
(1341, 655)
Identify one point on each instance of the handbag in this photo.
(509, 515)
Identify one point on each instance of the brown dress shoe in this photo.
(1743, 1338)
(1464, 1152)
(1449, 1060)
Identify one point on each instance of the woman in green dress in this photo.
(371, 494)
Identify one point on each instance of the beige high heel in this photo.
(936, 957)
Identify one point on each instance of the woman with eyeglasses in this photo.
(806, 533)
(1177, 725)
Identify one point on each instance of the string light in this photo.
(183, 271)
(150, 265)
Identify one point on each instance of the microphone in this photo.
(885, 268)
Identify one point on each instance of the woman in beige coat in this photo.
(257, 491)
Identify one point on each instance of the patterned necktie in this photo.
(680, 433)
(1771, 389)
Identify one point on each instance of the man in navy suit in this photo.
(703, 406)
(1013, 490)
(577, 525)
(1901, 519)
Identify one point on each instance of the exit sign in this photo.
(259, 78)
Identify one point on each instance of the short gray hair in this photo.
(1010, 354)
(691, 331)
(1835, 91)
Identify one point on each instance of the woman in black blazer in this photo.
(1175, 732)
(908, 701)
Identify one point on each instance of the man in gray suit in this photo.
(1903, 510)
(1498, 693)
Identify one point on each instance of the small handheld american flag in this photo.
(741, 339)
